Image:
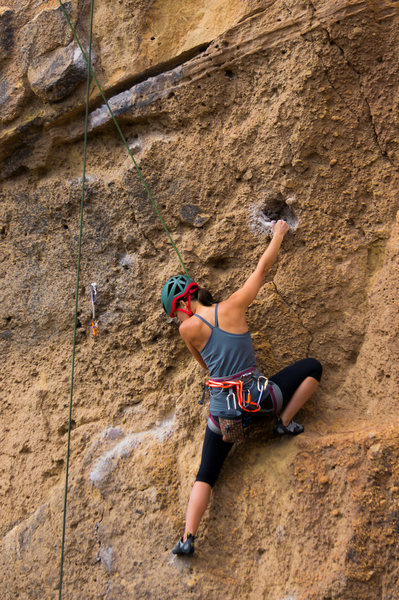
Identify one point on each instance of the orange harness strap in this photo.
(246, 404)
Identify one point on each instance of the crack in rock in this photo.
(235, 44)
(363, 95)
(320, 57)
(97, 534)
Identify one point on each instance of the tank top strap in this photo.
(204, 320)
(216, 315)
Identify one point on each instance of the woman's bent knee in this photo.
(316, 369)
(207, 477)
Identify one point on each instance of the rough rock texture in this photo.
(236, 112)
(56, 75)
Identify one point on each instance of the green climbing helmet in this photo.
(175, 289)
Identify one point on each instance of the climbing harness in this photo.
(139, 173)
(239, 395)
(233, 423)
(93, 293)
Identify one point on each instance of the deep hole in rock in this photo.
(277, 208)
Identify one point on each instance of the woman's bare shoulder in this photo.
(231, 303)
(188, 326)
(232, 316)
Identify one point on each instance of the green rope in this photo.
(76, 303)
(123, 138)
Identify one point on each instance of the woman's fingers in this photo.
(281, 227)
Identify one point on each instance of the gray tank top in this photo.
(227, 354)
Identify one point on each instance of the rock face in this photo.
(237, 113)
(6, 32)
(55, 75)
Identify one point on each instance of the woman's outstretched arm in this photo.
(245, 295)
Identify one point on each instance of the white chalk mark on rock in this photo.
(109, 461)
(262, 219)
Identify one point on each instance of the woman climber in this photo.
(219, 339)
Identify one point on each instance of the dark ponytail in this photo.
(203, 296)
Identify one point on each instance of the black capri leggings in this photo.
(215, 450)
(290, 378)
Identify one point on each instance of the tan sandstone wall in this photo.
(236, 111)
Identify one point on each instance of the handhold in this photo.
(191, 214)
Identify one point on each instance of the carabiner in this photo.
(260, 395)
(263, 385)
(231, 394)
(93, 295)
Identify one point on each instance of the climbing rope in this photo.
(90, 73)
(123, 138)
(76, 301)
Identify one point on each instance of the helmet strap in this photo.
(189, 311)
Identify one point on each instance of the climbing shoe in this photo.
(185, 548)
(291, 429)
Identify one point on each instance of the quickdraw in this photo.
(244, 399)
(94, 323)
